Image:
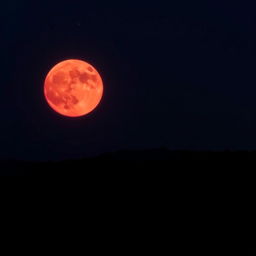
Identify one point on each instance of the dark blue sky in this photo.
(179, 75)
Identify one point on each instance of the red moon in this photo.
(73, 88)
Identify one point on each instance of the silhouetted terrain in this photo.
(141, 162)
(251, 252)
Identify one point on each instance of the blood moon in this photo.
(73, 88)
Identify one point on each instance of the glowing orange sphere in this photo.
(73, 88)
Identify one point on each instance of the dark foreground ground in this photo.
(251, 252)
(148, 162)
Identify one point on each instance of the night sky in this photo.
(178, 75)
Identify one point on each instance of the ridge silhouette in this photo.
(138, 161)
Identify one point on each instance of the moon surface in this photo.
(73, 88)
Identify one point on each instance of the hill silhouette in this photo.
(139, 162)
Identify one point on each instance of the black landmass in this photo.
(157, 161)
(251, 251)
